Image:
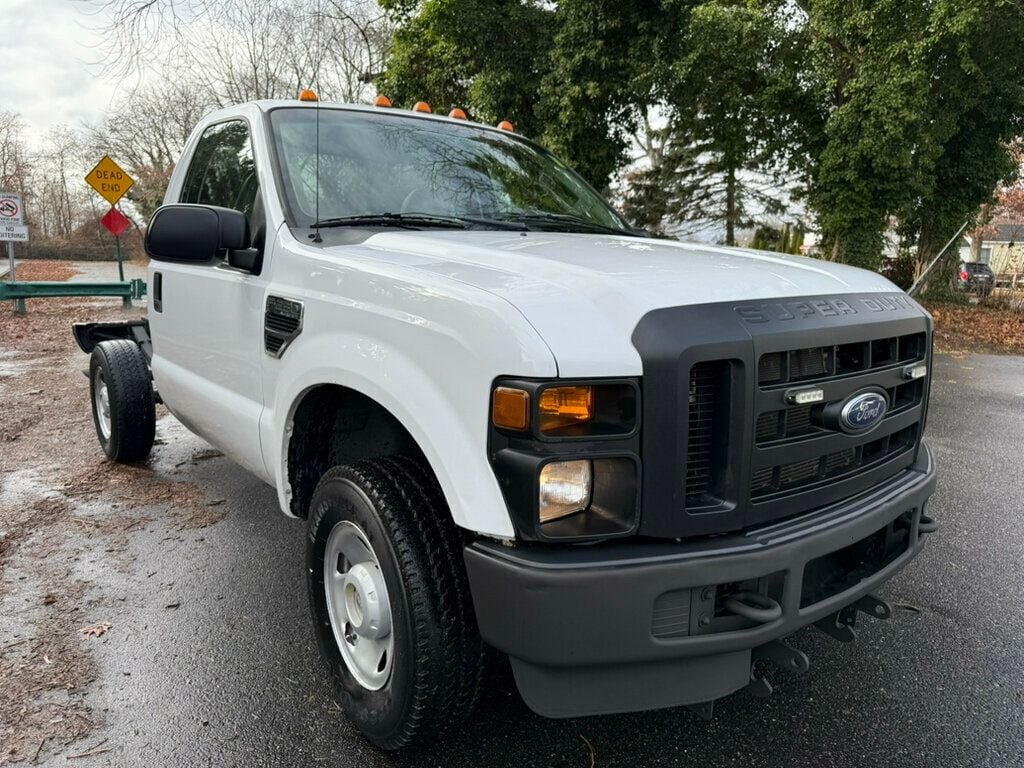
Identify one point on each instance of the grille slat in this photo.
(813, 363)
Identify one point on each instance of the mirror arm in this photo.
(249, 259)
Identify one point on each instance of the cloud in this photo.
(49, 74)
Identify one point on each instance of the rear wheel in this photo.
(390, 601)
(123, 407)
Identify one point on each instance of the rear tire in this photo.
(433, 675)
(123, 407)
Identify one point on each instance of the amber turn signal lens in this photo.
(511, 408)
(563, 406)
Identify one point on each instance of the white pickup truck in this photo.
(513, 422)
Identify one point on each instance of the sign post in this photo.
(112, 182)
(12, 229)
(116, 223)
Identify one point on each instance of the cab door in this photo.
(208, 323)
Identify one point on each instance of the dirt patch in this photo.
(59, 498)
(977, 329)
(43, 676)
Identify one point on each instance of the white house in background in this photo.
(1002, 248)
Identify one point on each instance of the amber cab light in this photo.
(382, 101)
(421, 106)
(564, 406)
(458, 114)
(505, 125)
(510, 408)
(308, 94)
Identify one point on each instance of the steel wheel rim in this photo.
(358, 605)
(101, 396)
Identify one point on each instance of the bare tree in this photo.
(145, 132)
(60, 202)
(241, 50)
(14, 161)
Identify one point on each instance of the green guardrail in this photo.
(18, 292)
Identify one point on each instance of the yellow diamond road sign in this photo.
(110, 180)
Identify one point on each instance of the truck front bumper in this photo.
(636, 625)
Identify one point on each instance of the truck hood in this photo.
(584, 294)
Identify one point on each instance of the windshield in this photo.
(374, 164)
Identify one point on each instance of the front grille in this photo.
(725, 450)
(805, 454)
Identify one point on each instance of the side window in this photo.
(223, 171)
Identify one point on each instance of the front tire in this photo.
(384, 554)
(123, 407)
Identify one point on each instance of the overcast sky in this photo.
(47, 53)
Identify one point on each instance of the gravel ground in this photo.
(193, 580)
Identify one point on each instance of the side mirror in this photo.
(196, 233)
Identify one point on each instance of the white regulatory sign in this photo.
(11, 211)
(17, 232)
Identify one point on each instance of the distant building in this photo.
(1002, 248)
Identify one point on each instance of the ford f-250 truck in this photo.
(513, 422)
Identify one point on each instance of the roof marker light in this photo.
(307, 94)
(505, 125)
(421, 106)
(382, 101)
(458, 114)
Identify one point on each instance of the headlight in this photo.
(565, 489)
(566, 454)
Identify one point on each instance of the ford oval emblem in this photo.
(863, 412)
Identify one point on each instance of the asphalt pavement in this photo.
(212, 662)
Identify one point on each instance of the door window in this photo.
(223, 171)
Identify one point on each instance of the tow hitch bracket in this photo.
(874, 607)
(840, 625)
(704, 710)
(784, 656)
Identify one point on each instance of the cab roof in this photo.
(266, 105)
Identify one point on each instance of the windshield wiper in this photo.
(544, 217)
(410, 220)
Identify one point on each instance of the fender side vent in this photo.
(281, 324)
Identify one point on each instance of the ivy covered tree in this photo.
(867, 110)
(485, 56)
(915, 100)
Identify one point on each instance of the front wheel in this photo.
(390, 600)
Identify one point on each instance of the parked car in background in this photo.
(975, 277)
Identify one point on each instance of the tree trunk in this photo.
(730, 207)
(977, 236)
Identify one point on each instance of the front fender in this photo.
(438, 391)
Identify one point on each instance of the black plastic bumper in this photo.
(585, 627)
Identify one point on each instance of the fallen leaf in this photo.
(97, 630)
